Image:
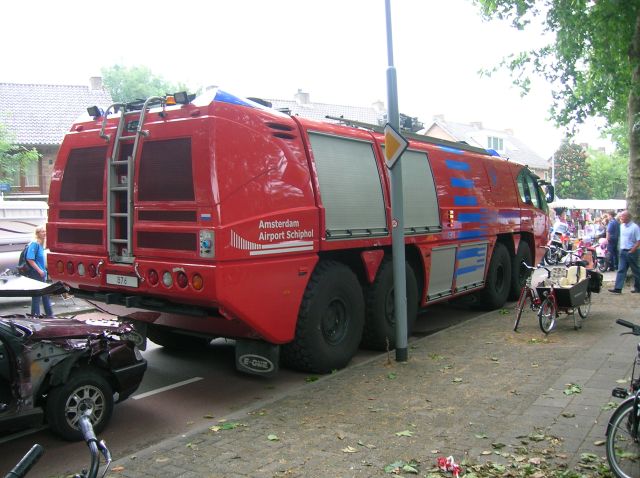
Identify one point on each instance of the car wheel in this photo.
(86, 390)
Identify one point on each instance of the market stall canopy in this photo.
(601, 204)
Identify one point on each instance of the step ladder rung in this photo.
(119, 163)
(119, 241)
(124, 138)
(118, 214)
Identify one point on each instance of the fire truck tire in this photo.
(498, 282)
(379, 328)
(519, 274)
(168, 338)
(330, 321)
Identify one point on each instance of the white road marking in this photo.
(164, 389)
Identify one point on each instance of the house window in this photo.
(29, 175)
(495, 143)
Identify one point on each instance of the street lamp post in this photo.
(397, 213)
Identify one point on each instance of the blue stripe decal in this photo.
(470, 217)
(457, 165)
(470, 234)
(462, 183)
(225, 97)
(465, 200)
(473, 252)
(451, 150)
(468, 270)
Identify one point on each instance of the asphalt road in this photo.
(183, 391)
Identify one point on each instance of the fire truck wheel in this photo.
(170, 339)
(519, 274)
(330, 321)
(380, 324)
(498, 282)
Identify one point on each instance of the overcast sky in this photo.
(333, 49)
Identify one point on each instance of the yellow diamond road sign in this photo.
(394, 145)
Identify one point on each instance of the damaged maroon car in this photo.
(54, 369)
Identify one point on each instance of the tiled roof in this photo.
(41, 114)
(319, 111)
(476, 135)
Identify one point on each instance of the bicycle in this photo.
(95, 449)
(623, 441)
(560, 299)
(528, 293)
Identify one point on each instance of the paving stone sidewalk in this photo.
(515, 402)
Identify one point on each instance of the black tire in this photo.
(86, 388)
(520, 306)
(622, 449)
(585, 308)
(170, 339)
(547, 315)
(380, 324)
(519, 274)
(551, 257)
(330, 321)
(498, 282)
(602, 264)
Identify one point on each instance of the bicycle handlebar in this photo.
(635, 329)
(87, 429)
(534, 268)
(24, 465)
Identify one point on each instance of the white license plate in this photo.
(127, 281)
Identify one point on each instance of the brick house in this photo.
(38, 115)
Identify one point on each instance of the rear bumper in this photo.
(128, 378)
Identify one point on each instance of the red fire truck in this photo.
(217, 216)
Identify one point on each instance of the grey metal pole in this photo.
(397, 212)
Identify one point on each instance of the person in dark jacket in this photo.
(613, 236)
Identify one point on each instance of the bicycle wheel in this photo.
(585, 308)
(547, 315)
(522, 303)
(623, 452)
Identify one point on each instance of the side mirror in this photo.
(551, 193)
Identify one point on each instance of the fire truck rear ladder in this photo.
(120, 177)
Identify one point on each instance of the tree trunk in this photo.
(633, 111)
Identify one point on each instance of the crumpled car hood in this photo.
(39, 328)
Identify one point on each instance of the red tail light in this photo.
(182, 280)
(152, 276)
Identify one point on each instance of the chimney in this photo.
(302, 98)
(95, 83)
(476, 124)
(439, 118)
(509, 131)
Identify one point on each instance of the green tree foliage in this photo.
(13, 158)
(137, 82)
(572, 173)
(592, 63)
(607, 174)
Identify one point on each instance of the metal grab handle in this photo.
(135, 269)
